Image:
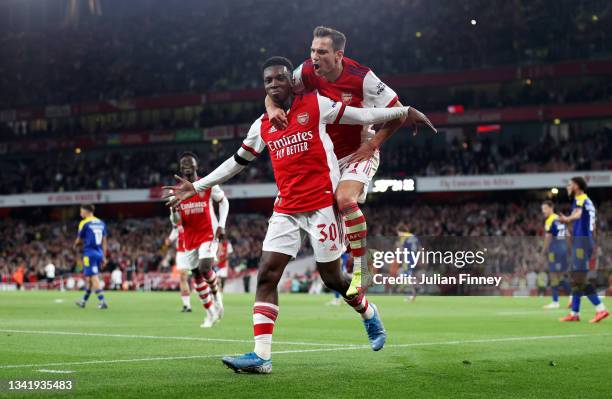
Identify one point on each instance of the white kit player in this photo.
(306, 172)
(201, 234)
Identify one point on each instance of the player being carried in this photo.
(306, 173)
(92, 237)
(356, 146)
(177, 236)
(201, 233)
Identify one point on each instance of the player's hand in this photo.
(103, 262)
(416, 118)
(364, 152)
(278, 119)
(220, 233)
(180, 192)
(563, 219)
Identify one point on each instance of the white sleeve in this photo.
(298, 82)
(223, 211)
(336, 112)
(253, 144)
(230, 249)
(377, 94)
(219, 196)
(251, 147)
(175, 216)
(173, 234)
(217, 193)
(329, 110)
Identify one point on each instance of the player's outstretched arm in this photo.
(364, 116)
(251, 147)
(185, 189)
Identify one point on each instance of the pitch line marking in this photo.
(133, 336)
(55, 371)
(344, 348)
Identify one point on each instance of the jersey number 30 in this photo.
(332, 232)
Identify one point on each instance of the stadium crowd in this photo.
(514, 230)
(66, 171)
(135, 50)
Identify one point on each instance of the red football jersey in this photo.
(358, 87)
(302, 155)
(198, 217)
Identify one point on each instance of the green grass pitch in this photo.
(143, 347)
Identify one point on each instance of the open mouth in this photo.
(316, 66)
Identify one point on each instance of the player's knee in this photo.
(578, 288)
(345, 199)
(589, 289)
(268, 275)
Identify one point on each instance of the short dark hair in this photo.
(277, 60)
(580, 182)
(189, 154)
(549, 203)
(88, 207)
(338, 38)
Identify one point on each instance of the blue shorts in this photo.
(91, 265)
(581, 253)
(557, 262)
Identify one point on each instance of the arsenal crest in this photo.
(346, 98)
(303, 118)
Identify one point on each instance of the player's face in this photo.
(188, 166)
(546, 210)
(324, 59)
(277, 82)
(83, 213)
(571, 188)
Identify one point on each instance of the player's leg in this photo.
(351, 191)
(184, 287)
(201, 288)
(347, 193)
(207, 254)
(222, 276)
(555, 279)
(578, 278)
(282, 243)
(590, 291)
(87, 273)
(184, 267)
(265, 312)
(87, 289)
(327, 247)
(95, 281)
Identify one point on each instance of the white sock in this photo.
(575, 313)
(186, 302)
(600, 308)
(264, 317)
